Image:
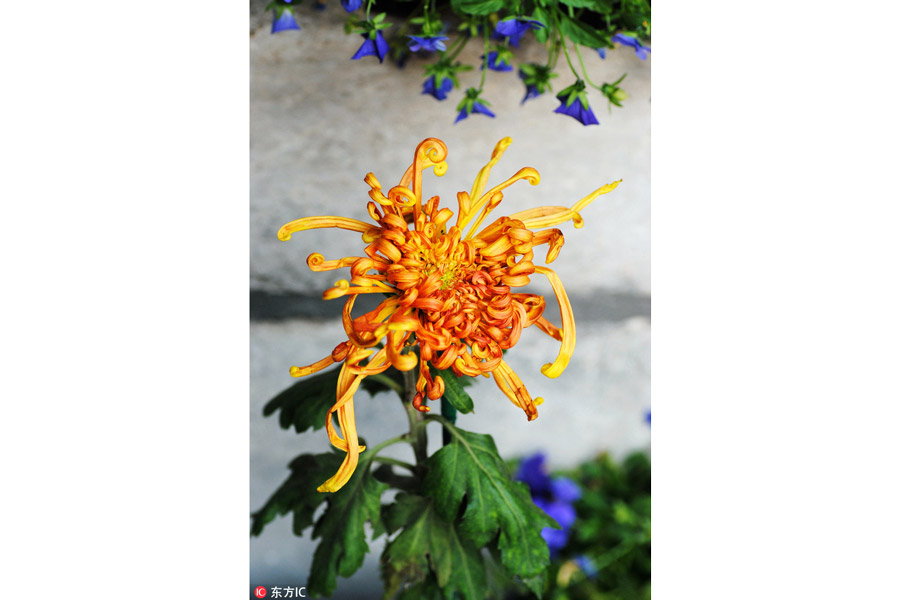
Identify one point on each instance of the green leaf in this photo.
(542, 33)
(341, 528)
(580, 33)
(305, 404)
(535, 584)
(469, 468)
(298, 492)
(600, 6)
(476, 7)
(454, 392)
(428, 542)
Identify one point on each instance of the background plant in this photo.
(440, 30)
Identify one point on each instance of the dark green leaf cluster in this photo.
(460, 528)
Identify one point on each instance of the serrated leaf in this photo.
(428, 542)
(580, 33)
(454, 392)
(341, 528)
(298, 493)
(305, 404)
(535, 583)
(469, 467)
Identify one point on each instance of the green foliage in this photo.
(298, 493)
(430, 545)
(454, 390)
(341, 528)
(469, 469)
(305, 404)
(460, 528)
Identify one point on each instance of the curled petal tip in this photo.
(552, 370)
(284, 235)
(296, 371)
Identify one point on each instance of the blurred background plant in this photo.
(439, 30)
(603, 552)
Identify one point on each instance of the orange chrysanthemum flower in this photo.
(449, 286)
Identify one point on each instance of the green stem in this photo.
(384, 379)
(569, 60)
(484, 67)
(394, 461)
(583, 69)
(459, 46)
(394, 440)
(448, 411)
(417, 434)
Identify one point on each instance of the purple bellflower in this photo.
(472, 104)
(477, 107)
(497, 62)
(626, 40)
(438, 91)
(377, 47)
(578, 111)
(427, 43)
(601, 52)
(513, 28)
(573, 102)
(351, 5)
(283, 17)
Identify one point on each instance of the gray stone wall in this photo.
(319, 123)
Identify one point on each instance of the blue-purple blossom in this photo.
(587, 565)
(577, 110)
(428, 43)
(626, 40)
(477, 107)
(601, 52)
(531, 91)
(284, 19)
(377, 47)
(497, 63)
(553, 496)
(351, 5)
(647, 418)
(438, 91)
(513, 28)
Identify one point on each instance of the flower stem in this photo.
(448, 411)
(385, 380)
(583, 69)
(484, 63)
(394, 461)
(417, 434)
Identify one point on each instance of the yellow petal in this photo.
(485, 172)
(556, 368)
(548, 216)
(284, 234)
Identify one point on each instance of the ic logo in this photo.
(260, 592)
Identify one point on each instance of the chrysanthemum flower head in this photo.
(450, 285)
